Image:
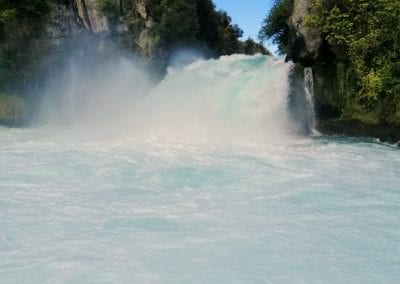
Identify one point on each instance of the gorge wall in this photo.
(346, 102)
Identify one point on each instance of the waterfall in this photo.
(309, 95)
(233, 98)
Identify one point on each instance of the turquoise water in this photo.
(313, 211)
(208, 184)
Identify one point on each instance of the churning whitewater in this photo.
(200, 179)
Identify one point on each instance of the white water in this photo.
(80, 203)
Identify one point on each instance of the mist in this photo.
(234, 97)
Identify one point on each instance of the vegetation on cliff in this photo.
(358, 67)
(365, 36)
(20, 23)
(174, 24)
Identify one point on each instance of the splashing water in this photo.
(110, 197)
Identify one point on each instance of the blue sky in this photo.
(247, 14)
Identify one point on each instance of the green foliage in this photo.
(228, 34)
(208, 24)
(178, 23)
(365, 35)
(6, 13)
(110, 9)
(276, 24)
(20, 23)
(186, 23)
(32, 11)
(362, 36)
(250, 47)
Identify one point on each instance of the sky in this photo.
(248, 14)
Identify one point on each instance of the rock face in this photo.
(93, 21)
(144, 22)
(75, 19)
(71, 22)
(64, 23)
(307, 48)
(82, 18)
(305, 42)
(90, 15)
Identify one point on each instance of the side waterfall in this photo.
(309, 95)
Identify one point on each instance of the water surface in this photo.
(80, 210)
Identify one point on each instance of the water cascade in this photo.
(236, 97)
(232, 98)
(309, 95)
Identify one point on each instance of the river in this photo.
(196, 194)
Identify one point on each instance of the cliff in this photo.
(38, 37)
(356, 78)
(304, 41)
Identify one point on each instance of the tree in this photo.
(179, 24)
(251, 47)
(228, 34)
(276, 24)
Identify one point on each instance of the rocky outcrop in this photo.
(64, 23)
(73, 19)
(333, 93)
(303, 49)
(305, 43)
(91, 16)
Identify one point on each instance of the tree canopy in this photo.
(276, 24)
